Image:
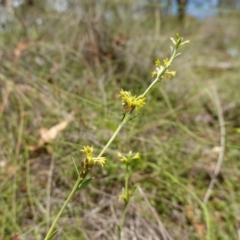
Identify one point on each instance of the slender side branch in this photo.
(161, 73)
(130, 104)
(81, 179)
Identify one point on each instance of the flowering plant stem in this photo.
(124, 120)
(161, 73)
(130, 104)
(50, 231)
(81, 179)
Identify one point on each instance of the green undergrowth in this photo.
(72, 63)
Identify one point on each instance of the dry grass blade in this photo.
(164, 232)
(222, 144)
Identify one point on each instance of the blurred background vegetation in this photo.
(60, 58)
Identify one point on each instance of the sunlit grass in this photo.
(61, 71)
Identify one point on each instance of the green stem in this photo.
(124, 120)
(122, 220)
(80, 179)
(126, 201)
(50, 231)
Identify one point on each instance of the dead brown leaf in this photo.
(200, 228)
(48, 135)
(19, 49)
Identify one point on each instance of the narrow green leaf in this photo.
(84, 184)
(52, 235)
(75, 166)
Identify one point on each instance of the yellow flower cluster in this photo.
(123, 196)
(130, 157)
(90, 160)
(131, 102)
(163, 69)
(88, 151)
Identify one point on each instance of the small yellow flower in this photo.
(129, 157)
(89, 161)
(122, 158)
(121, 197)
(100, 160)
(88, 150)
(157, 62)
(170, 74)
(125, 196)
(131, 102)
(162, 70)
(136, 156)
(154, 73)
(166, 62)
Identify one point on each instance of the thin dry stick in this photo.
(164, 232)
(48, 204)
(222, 144)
